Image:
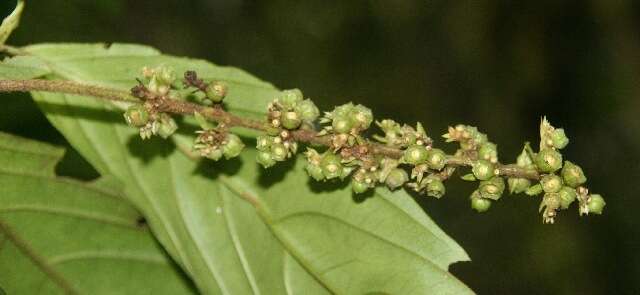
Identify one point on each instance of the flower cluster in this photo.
(402, 156)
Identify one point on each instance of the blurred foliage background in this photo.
(499, 65)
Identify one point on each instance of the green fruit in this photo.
(488, 151)
(263, 142)
(396, 178)
(314, 171)
(290, 98)
(279, 152)
(308, 110)
(518, 185)
(567, 196)
(436, 159)
(359, 187)
(483, 169)
(551, 183)
(331, 166)
(534, 190)
(214, 154)
(167, 126)
(479, 204)
(573, 175)
(216, 91)
(415, 154)
(234, 146)
(137, 115)
(435, 188)
(559, 139)
(341, 125)
(596, 204)
(264, 158)
(492, 188)
(548, 160)
(290, 120)
(361, 117)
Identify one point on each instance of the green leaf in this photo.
(61, 236)
(11, 22)
(232, 226)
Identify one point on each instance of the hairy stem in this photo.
(219, 115)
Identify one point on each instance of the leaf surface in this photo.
(62, 236)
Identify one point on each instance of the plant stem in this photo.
(217, 114)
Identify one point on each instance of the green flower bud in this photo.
(314, 171)
(137, 115)
(534, 190)
(290, 98)
(551, 183)
(279, 152)
(233, 147)
(165, 75)
(341, 125)
(518, 185)
(559, 139)
(436, 159)
(573, 175)
(567, 196)
(290, 120)
(478, 203)
(359, 187)
(492, 188)
(216, 91)
(548, 160)
(265, 159)
(308, 110)
(361, 117)
(212, 153)
(435, 188)
(488, 151)
(263, 142)
(331, 166)
(167, 126)
(483, 169)
(415, 154)
(596, 204)
(396, 178)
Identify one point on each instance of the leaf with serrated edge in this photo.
(61, 236)
(200, 213)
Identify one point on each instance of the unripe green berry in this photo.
(167, 126)
(290, 120)
(573, 175)
(548, 160)
(483, 170)
(596, 204)
(359, 187)
(233, 147)
(551, 183)
(492, 188)
(265, 159)
(341, 125)
(478, 203)
(559, 139)
(534, 190)
(435, 188)
(137, 115)
(396, 178)
(436, 159)
(331, 166)
(314, 171)
(518, 185)
(361, 117)
(415, 154)
(567, 196)
(278, 152)
(216, 91)
(290, 98)
(308, 110)
(488, 151)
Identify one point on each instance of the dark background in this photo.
(499, 65)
